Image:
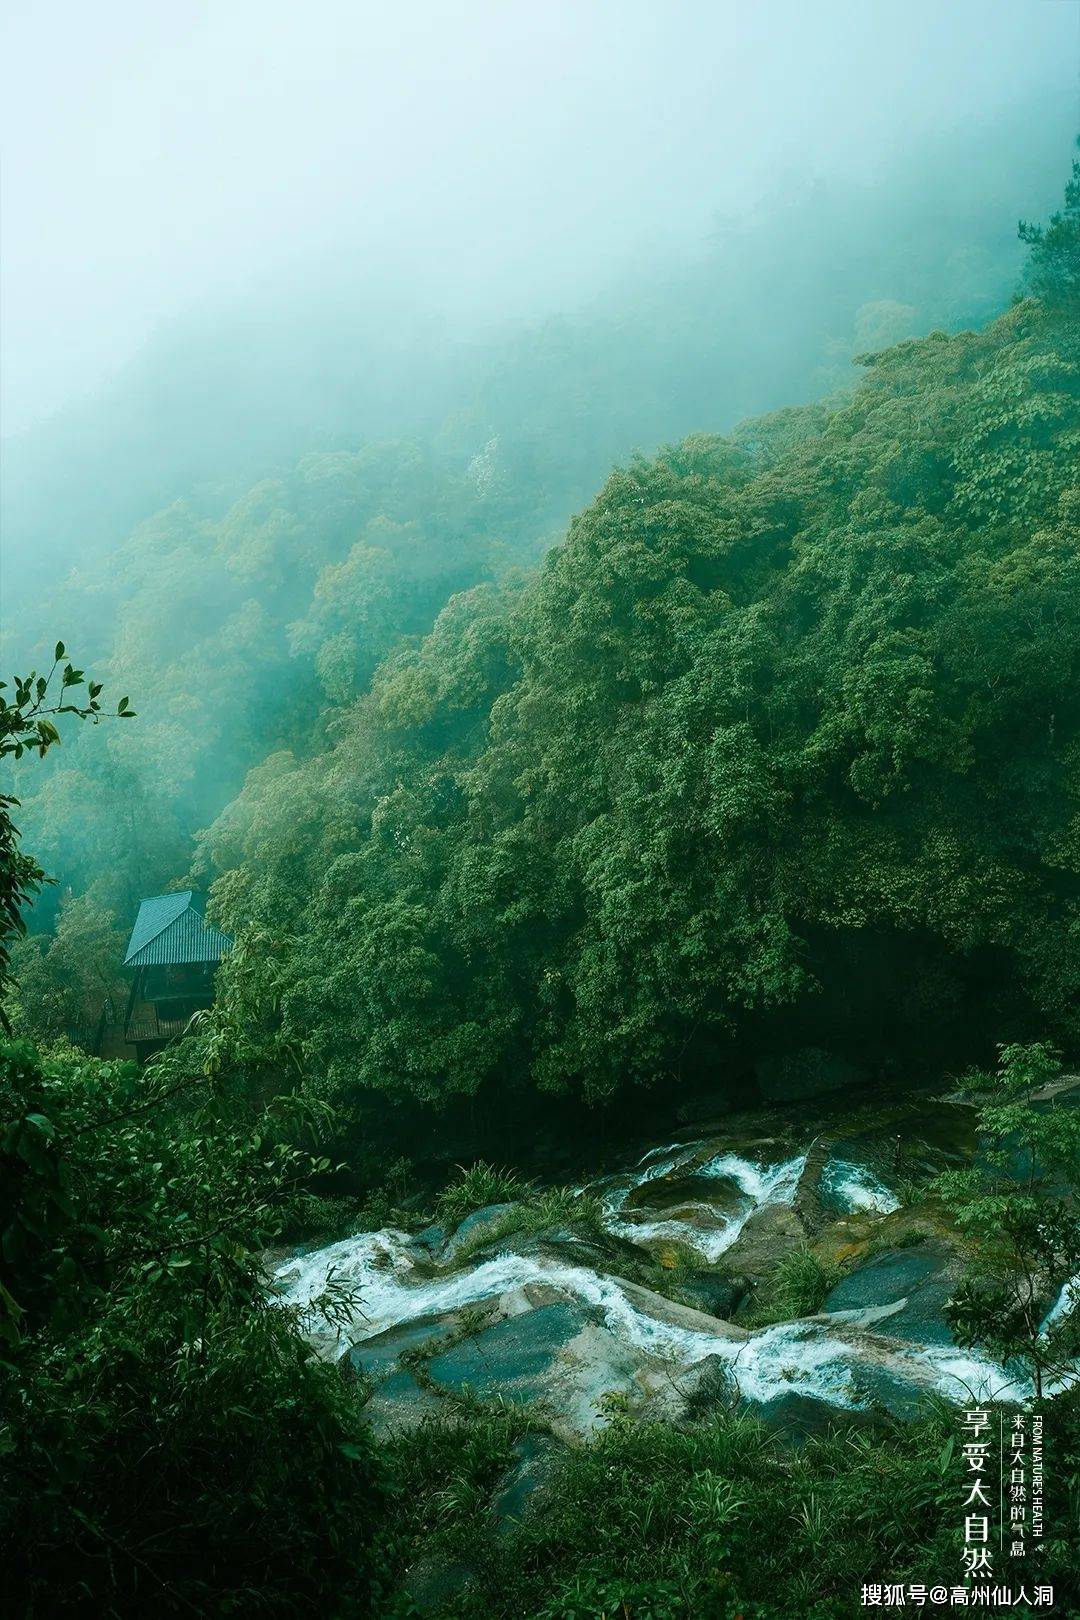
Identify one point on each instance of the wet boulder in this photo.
(715, 1292)
(555, 1356)
(431, 1239)
(398, 1401)
(913, 1140)
(373, 1358)
(688, 1394)
(770, 1233)
(901, 1292)
(796, 1418)
(807, 1199)
(603, 1252)
(473, 1229)
(681, 1194)
(536, 1345)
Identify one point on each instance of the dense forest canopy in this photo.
(762, 773)
(294, 553)
(782, 738)
(778, 745)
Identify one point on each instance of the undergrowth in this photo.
(712, 1521)
(797, 1286)
(475, 1187)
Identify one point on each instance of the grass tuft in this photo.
(475, 1187)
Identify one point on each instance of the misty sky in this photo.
(498, 157)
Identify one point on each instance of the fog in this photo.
(481, 158)
(315, 319)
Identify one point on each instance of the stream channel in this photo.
(643, 1306)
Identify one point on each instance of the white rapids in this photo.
(808, 1358)
(829, 1359)
(1063, 1306)
(700, 1227)
(855, 1187)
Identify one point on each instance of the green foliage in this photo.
(783, 737)
(442, 1473)
(236, 632)
(166, 1440)
(27, 725)
(553, 1209)
(716, 1519)
(911, 1190)
(64, 980)
(1018, 1205)
(786, 733)
(474, 1187)
(249, 591)
(1054, 266)
(797, 1286)
(564, 1206)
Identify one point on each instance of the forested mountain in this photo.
(299, 546)
(783, 738)
(767, 773)
(778, 744)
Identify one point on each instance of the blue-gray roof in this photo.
(169, 931)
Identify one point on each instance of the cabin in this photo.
(173, 955)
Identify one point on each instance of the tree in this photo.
(167, 1441)
(1054, 268)
(1018, 1206)
(27, 724)
(65, 979)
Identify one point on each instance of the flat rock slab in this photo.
(917, 1282)
(925, 1138)
(770, 1233)
(399, 1404)
(374, 1358)
(511, 1358)
(473, 1228)
(713, 1292)
(662, 1309)
(1066, 1088)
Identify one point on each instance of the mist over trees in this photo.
(326, 479)
(780, 741)
(624, 684)
(773, 751)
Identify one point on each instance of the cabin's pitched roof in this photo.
(169, 931)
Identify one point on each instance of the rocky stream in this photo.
(654, 1304)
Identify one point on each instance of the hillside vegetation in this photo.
(781, 741)
(775, 758)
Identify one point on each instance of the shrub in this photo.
(796, 1286)
(168, 1444)
(475, 1187)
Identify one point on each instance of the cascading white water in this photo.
(380, 1266)
(812, 1357)
(699, 1227)
(793, 1358)
(762, 1184)
(855, 1187)
(1063, 1306)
